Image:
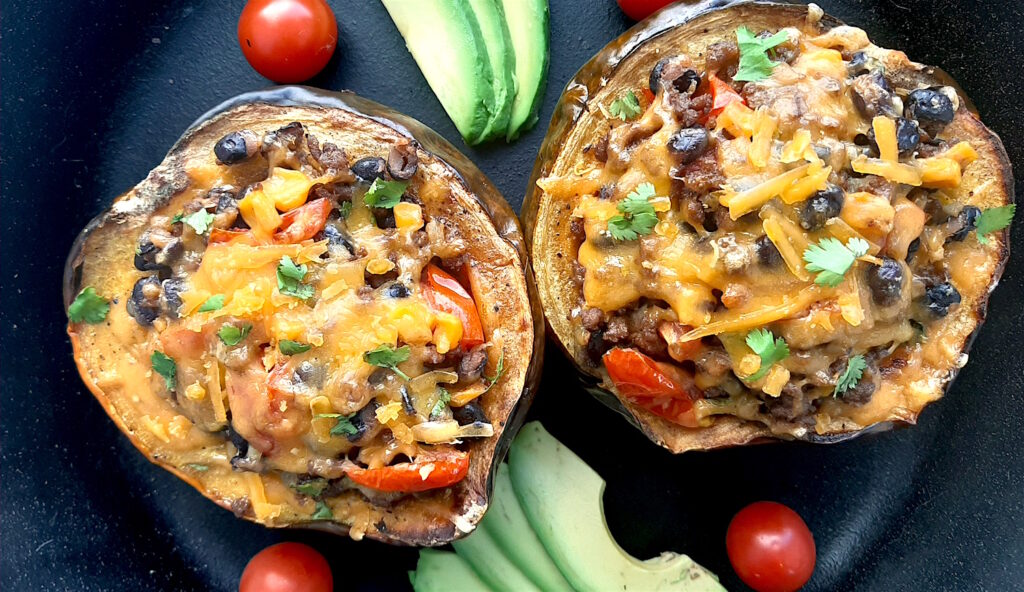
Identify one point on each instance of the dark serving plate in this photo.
(93, 93)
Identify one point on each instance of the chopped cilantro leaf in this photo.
(443, 400)
(312, 488)
(389, 357)
(344, 427)
(199, 220)
(993, 219)
(178, 217)
(88, 306)
(289, 279)
(232, 335)
(385, 194)
(165, 366)
(290, 348)
(638, 216)
(831, 259)
(754, 62)
(499, 371)
(323, 512)
(851, 375)
(769, 348)
(215, 302)
(625, 107)
(345, 209)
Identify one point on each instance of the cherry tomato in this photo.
(287, 40)
(721, 94)
(770, 547)
(662, 389)
(287, 567)
(429, 471)
(641, 9)
(444, 293)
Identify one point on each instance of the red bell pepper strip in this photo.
(662, 389)
(428, 471)
(721, 95)
(304, 222)
(445, 294)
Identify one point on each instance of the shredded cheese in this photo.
(753, 198)
(733, 322)
(893, 171)
(213, 388)
(885, 138)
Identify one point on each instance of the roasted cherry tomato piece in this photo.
(721, 94)
(304, 222)
(638, 375)
(220, 235)
(287, 40)
(770, 547)
(444, 293)
(675, 410)
(641, 9)
(428, 471)
(287, 567)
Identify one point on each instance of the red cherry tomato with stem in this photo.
(287, 40)
(770, 547)
(641, 9)
(287, 567)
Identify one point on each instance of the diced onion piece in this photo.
(761, 143)
(321, 425)
(753, 198)
(885, 138)
(939, 172)
(893, 171)
(426, 384)
(436, 432)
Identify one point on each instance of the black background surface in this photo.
(94, 93)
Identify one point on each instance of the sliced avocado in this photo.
(493, 567)
(491, 17)
(506, 523)
(528, 28)
(561, 497)
(448, 45)
(443, 571)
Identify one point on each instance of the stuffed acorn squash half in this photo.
(751, 222)
(316, 312)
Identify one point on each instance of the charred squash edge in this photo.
(472, 494)
(546, 251)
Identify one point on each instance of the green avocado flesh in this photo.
(545, 530)
(491, 17)
(448, 45)
(441, 571)
(528, 29)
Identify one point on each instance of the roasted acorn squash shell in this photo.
(625, 64)
(102, 255)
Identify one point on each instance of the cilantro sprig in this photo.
(289, 279)
(312, 488)
(323, 512)
(164, 366)
(442, 401)
(831, 259)
(291, 348)
(638, 216)
(232, 335)
(499, 371)
(200, 221)
(88, 306)
(851, 375)
(769, 348)
(388, 357)
(754, 62)
(625, 107)
(344, 426)
(385, 194)
(215, 302)
(992, 220)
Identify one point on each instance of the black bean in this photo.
(366, 424)
(908, 137)
(407, 405)
(369, 169)
(402, 161)
(144, 303)
(145, 258)
(861, 392)
(687, 83)
(872, 95)
(767, 253)
(858, 64)
(688, 144)
(470, 413)
(596, 346)
(471, 366)
(966, 219)
(240, 443)
(654, 82)
(940, 297)
(397, 290)
(912, 248)
(931, 108)
(235, 147)
(170, 299)
(886, 282)
(337, 239)
(821, 207)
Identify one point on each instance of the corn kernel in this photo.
(379, 266)
(777, 378)
(195, 392)
(408, 217)
(388, 413)
(447, 332)
(402, 432)
(749, 364)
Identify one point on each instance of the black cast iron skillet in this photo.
(92, 94)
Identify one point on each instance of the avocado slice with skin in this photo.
(443, 571)
(507, 525)
(491, 564)
(445, 39)
(561, 497)
(491, 17)
(528, 28)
